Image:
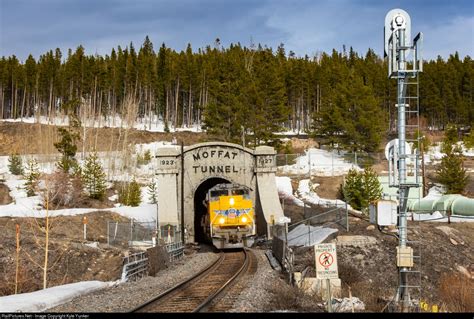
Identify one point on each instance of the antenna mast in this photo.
(397, 33)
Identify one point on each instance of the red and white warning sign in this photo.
(326, 261)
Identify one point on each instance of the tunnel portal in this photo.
(185, 175)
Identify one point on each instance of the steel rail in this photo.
(174, 292)
(209, 299)
(181, 284)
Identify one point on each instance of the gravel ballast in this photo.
(256, 295)
(127, 296)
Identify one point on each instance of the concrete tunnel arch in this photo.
(207, 164)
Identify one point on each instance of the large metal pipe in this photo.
(455, 204)
(463, 206)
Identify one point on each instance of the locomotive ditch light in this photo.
(244, 219)
(231, 201)
(221, 220)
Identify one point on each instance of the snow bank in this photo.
(439, 217)
(322, 163)
(434, 153)
(23, 206)
(143, 124)
(435, 192)
(307, 235)
(308, 195)
(285, 190)
(47, 298)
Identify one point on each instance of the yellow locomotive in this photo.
(230, 218)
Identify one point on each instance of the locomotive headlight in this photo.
(221, 220)
(244, 219)
(231, 201)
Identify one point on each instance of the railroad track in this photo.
(197, 293)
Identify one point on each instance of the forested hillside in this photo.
(236, 91)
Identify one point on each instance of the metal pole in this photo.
(182, 192)
(328, 284)
(347, 218)
(403, 188)
(332, 162)
(158, 233)
(131, 232)
(309, 166)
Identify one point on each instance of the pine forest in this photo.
(343, 96)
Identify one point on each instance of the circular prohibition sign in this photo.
(326, 259)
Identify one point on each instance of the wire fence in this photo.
(140, 234)
(284, 239)
(333, 162)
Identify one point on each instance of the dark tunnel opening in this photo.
(200, 209)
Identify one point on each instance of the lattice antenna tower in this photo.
(397, 35)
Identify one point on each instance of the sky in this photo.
(304, 27)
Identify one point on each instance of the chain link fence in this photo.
(334, 162)
(141, 234)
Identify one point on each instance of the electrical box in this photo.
(383, 213)
(387, 213)
(404, 257)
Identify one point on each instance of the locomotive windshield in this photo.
(229, 190)
(239, 192)
(220, 192)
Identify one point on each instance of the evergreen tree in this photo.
(372, 187)
(15, 164)
(145, 159)
(67, 146)
(130, 194)
(469, 139)
(353, 188)
(236, 90)
(152, 189)
(450, 139)
(451, 172)
(94, 177)
(31, 175)
(361, 188)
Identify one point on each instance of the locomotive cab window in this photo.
(218, 193)
(239, 192)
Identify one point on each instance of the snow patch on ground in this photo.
(439, 217)
(322, 163)
(42, 300)
(23, 206)
(308, 195)
(307, 235)
(285, 190)
(143, 124)
(435, 192)
(434, 153)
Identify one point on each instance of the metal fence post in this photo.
(332, 163)
(131, 233)
(309, 233)
(347, 218)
